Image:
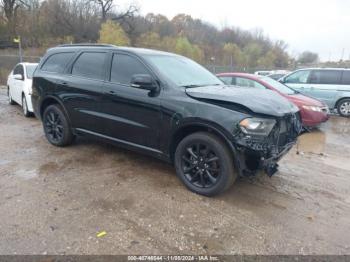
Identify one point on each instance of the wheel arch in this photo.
(51, 100)
(340, 99)
(191, 128)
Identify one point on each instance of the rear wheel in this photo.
(344, 107)
(11, 102)
(204, 164)
(26, 113)
(56, 126)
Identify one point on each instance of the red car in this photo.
(313, 112)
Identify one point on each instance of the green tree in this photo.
(268, 60)
(149, 40)
(113, 33)
(183, 47)
(233, 55)
(308, 57)
(252, 53)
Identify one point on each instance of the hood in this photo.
(301, 100)
(257, 100)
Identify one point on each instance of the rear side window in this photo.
(325, 77)
(346, 78)
(124, 67)
(57, 62)
(90, 65)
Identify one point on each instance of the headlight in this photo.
(257, 126)
(313, 108)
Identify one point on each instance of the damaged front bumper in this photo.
(270, 165)
(263, 153)
(251, 161)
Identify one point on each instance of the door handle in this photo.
(111, 92)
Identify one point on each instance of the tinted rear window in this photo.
(57, 62)
(346, 78)
(90, 64)
(325, 77)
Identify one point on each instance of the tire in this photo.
(56, 126)
(200, 153)
(26, 113)
(11, 102)
(343, 107)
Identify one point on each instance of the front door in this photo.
(299, 81)
(131, 115)
(324, 85)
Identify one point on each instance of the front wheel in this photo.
(11, 102)
(344, 107)
(204, 164)
(56, 126)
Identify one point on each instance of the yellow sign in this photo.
(16, 40)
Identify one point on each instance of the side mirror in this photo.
(18, 77)
(143, 81)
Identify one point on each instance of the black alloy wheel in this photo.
(56, 127)
(204, 164)
(200, 165)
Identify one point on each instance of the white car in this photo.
(19, 84)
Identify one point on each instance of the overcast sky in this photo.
(321, 26)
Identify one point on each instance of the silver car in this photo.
(330, 85)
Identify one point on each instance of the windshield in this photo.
(279, 86)
(30, 71)
(183, 71)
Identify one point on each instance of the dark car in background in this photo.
(313, 112)
(164, 105)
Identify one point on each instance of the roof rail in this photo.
(86, 44)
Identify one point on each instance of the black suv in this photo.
(164, 105)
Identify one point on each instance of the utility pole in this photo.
(19, 42)
(342, 54)
(20, 49)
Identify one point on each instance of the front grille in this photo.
(286, 131)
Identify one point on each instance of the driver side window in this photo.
(124, 67)
(18, 70)
(299, 77)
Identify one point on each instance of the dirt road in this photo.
(55, 200)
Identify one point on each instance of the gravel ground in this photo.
(56, 200)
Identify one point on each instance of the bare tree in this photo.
(10, 8)
(106, 6)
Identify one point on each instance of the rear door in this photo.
(80, 88)
(325, 85)
(132, 115)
